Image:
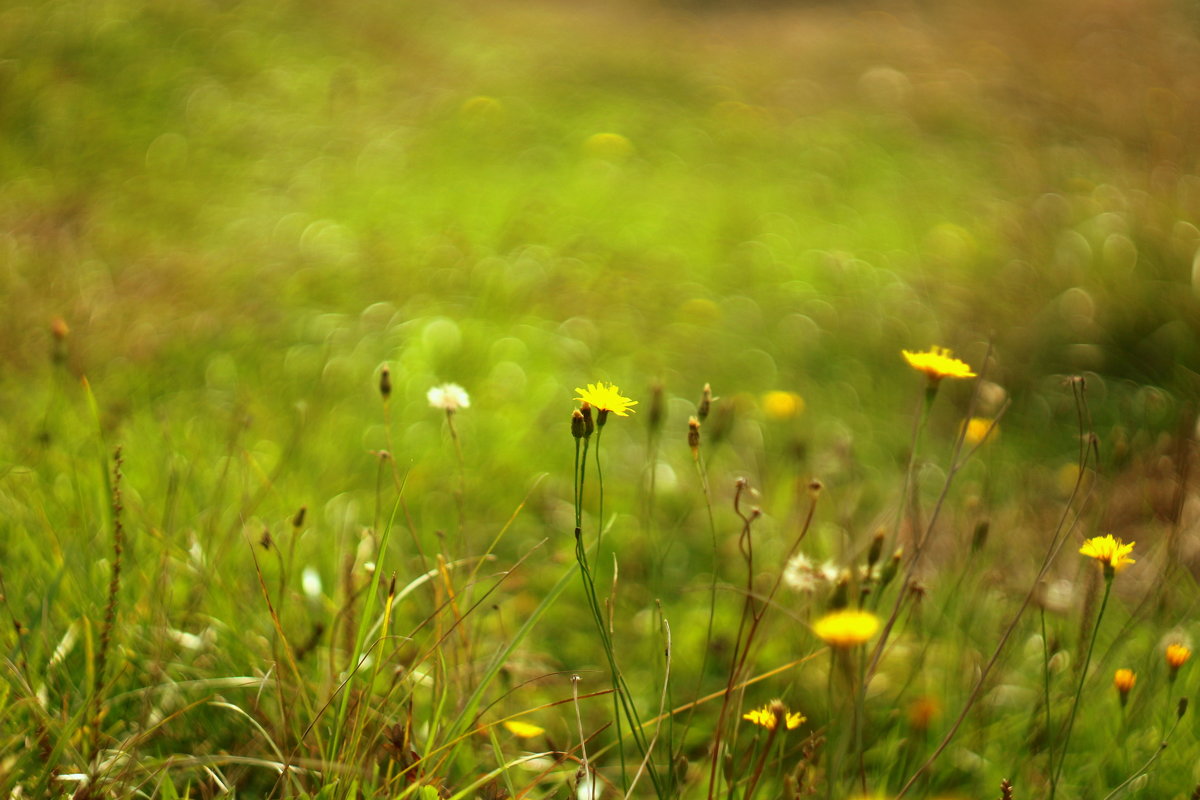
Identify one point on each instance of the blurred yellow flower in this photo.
(937, 363)
(922, 711)
(769, 716)
(606, 397)
(782, 405)
(523, 730)
(846, 628)
(1124, 680)
(1112, 553)
(1177, 656)
(979, 428)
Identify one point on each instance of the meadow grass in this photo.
(243, 555)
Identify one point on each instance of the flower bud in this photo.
(693, 437)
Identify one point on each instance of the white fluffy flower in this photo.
(804, 576)
(448, 396)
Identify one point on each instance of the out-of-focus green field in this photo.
(230, 217)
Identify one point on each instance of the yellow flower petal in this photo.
(522, 730)
(937, 363)
(606, 397)
(769, 715)
(846, 628)
(1109, 551)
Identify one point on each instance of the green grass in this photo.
(243, 211)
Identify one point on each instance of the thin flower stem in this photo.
(462, 481)
(1088, 450)
(860, 702)
(1046, 690)
(1149, 762)
(622, 697)
(702, 474)
(829, 735)
(600, 486)
(1108, 581)
(762, 759)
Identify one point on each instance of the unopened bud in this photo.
(60, 331)
(657, 413)
(1181, 709)
(814, 488)
(979, 538)
(841, 592)
(891, 568)
(876, 550)
(298, 520)
(385, 383)
(588, 425)
(578, 425)
(705, 403)
(693, 436)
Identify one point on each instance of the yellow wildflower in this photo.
(772, 714)
(782, 405)
(523, 730)
(606, 397)
(846, 628)
(979, 428)
(937, 363)
(1112, 553)
(1177, 656)
(1124, 680)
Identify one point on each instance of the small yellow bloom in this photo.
(606, 397)
(523, 730)
(1112, 553)
(1124, 680)
(782, 405)
(846, 628)
(1177, 656)
(937, 363)
(773, 713)
(980, 428)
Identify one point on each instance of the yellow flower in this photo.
(1124, 679)
(782, 405)
(1112, 553)
(846, 628)
(523, 730)
(937, 363)
(770, 715)
(979, 428)
(1177, 656)
(606, 397)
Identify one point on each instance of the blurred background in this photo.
(229, 216)
(259, 203)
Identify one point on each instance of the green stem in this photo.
(1108, 581)
(1046, 690)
